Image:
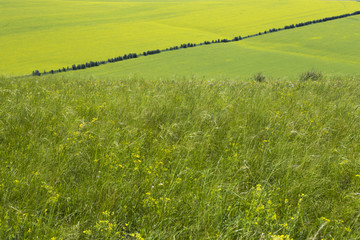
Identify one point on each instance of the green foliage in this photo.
(184, 158)
(259, 77)
(311, 75)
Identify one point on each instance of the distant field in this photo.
(331, 47)
(44, 34)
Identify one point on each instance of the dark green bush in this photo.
(311, 75)
(259, 77)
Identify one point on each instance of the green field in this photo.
(255, 139)
(281, 54)
(179, 159)
(44, 34)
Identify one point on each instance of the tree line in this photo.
(187, 45)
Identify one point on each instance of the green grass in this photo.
(179, 159)
(331, 47)
(49, 34)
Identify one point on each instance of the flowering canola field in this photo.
(44, 34)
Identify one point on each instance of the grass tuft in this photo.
(259, 77)
(311, 75)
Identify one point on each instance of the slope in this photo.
(331, 47)
(44, 34)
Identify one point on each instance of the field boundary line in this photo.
(129, 56)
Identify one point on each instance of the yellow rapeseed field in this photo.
(44, 34)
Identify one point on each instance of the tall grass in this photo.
(179, 159)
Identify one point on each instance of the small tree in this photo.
(36, 73)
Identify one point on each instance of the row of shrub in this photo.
(188, 45)
(87, 65)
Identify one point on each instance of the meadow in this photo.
(237, 140)
(179, 159)
(43, 34)
(280, 55)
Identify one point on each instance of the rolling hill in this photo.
(43, 34)
(280, 54)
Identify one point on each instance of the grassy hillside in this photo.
(48, 34)
(179, 159)
(331, 47)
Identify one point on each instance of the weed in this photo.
(259, 77)
(311, 75)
